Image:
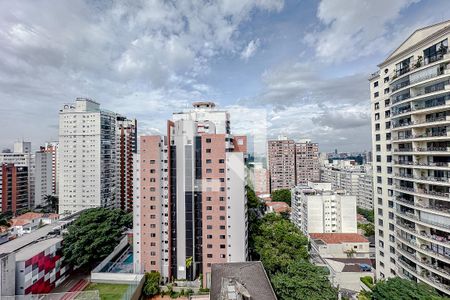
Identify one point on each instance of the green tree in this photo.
(278, 242)
(151, 285)
(403, 289)
(283, 195)
(94, 235)
(369, 229)
(367, 213)
(303, 280)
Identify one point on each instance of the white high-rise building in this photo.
(410, 99)
(318, 208)
(355, 179)
(43, 184)
(87, 156)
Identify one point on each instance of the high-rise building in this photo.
(126, 147)
(318, 208)
(87, 156)
(43, 174)
(292, 163)
(192, 204)
(307, 163)
(355, 179)
(15, 189)
(281, 154)
(410, 101)
(18, 171)
(260, 178)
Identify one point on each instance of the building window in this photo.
(387, 102)
(386, 79)
(376, 94)
(375, 84)
(208, 140)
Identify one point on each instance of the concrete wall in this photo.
(7, 274)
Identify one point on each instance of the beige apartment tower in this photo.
(410, 99)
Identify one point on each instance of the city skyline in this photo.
(155, 64)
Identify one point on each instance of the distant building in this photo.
(281, 155)
(318, 208)
(292, 163)
(277, 207)
(126, 135)
(355, 179)
(44, 177)
(259, 177)
(245, 280)
(14, 188)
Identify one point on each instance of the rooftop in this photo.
(338, 238)
(247, 278)
(36, 248)
(350, 264)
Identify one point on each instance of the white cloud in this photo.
(131, 56)
(354, 28)
(250, 50)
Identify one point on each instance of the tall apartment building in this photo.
(126, 147)
(43, 172)
(281, 155)
(410, 99)
(192, 203)
(307, 163)
(260, 179)
(292, 163)
(355, 179)
(17, 178)
(15, 188)
(88, 158)
(318, 208)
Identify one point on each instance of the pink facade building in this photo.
(191, 207)
(292, 163)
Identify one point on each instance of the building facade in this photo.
(44, 177)
(292, 163)
(281, 155)
(192, 195)
(15, 188)
(318, 208)
(126, 132)
(91, 172)
(307, 163)
(260, 179)
(355, 179)
(410, 102)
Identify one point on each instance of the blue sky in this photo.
(296, 68)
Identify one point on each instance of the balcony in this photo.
(414, 217)
(425, 179)
(419, 64)
(423, 192)
(437, 103)
(422, 150)
(424, 165)
(423, 123)
(424, 136)
(423, 248)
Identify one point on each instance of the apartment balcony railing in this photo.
(420, 136)
(425, 178)
(440, 102)
(422, 164)
(435, 237)
(412, 123)
(423, 248)
(423, 192)
(416, 64)
(429, 222)
(423, 149)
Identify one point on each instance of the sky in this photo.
(281, 67)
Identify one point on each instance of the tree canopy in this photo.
(367, 213)
(303, 280)
(403, 289)
(94, 235)
(283, 250)
(283, 195)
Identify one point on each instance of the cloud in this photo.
(140, 58)
(350, 29)
(250, 50)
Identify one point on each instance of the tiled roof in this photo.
(339, 238)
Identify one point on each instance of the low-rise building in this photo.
(346, 255)
(317, 207)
